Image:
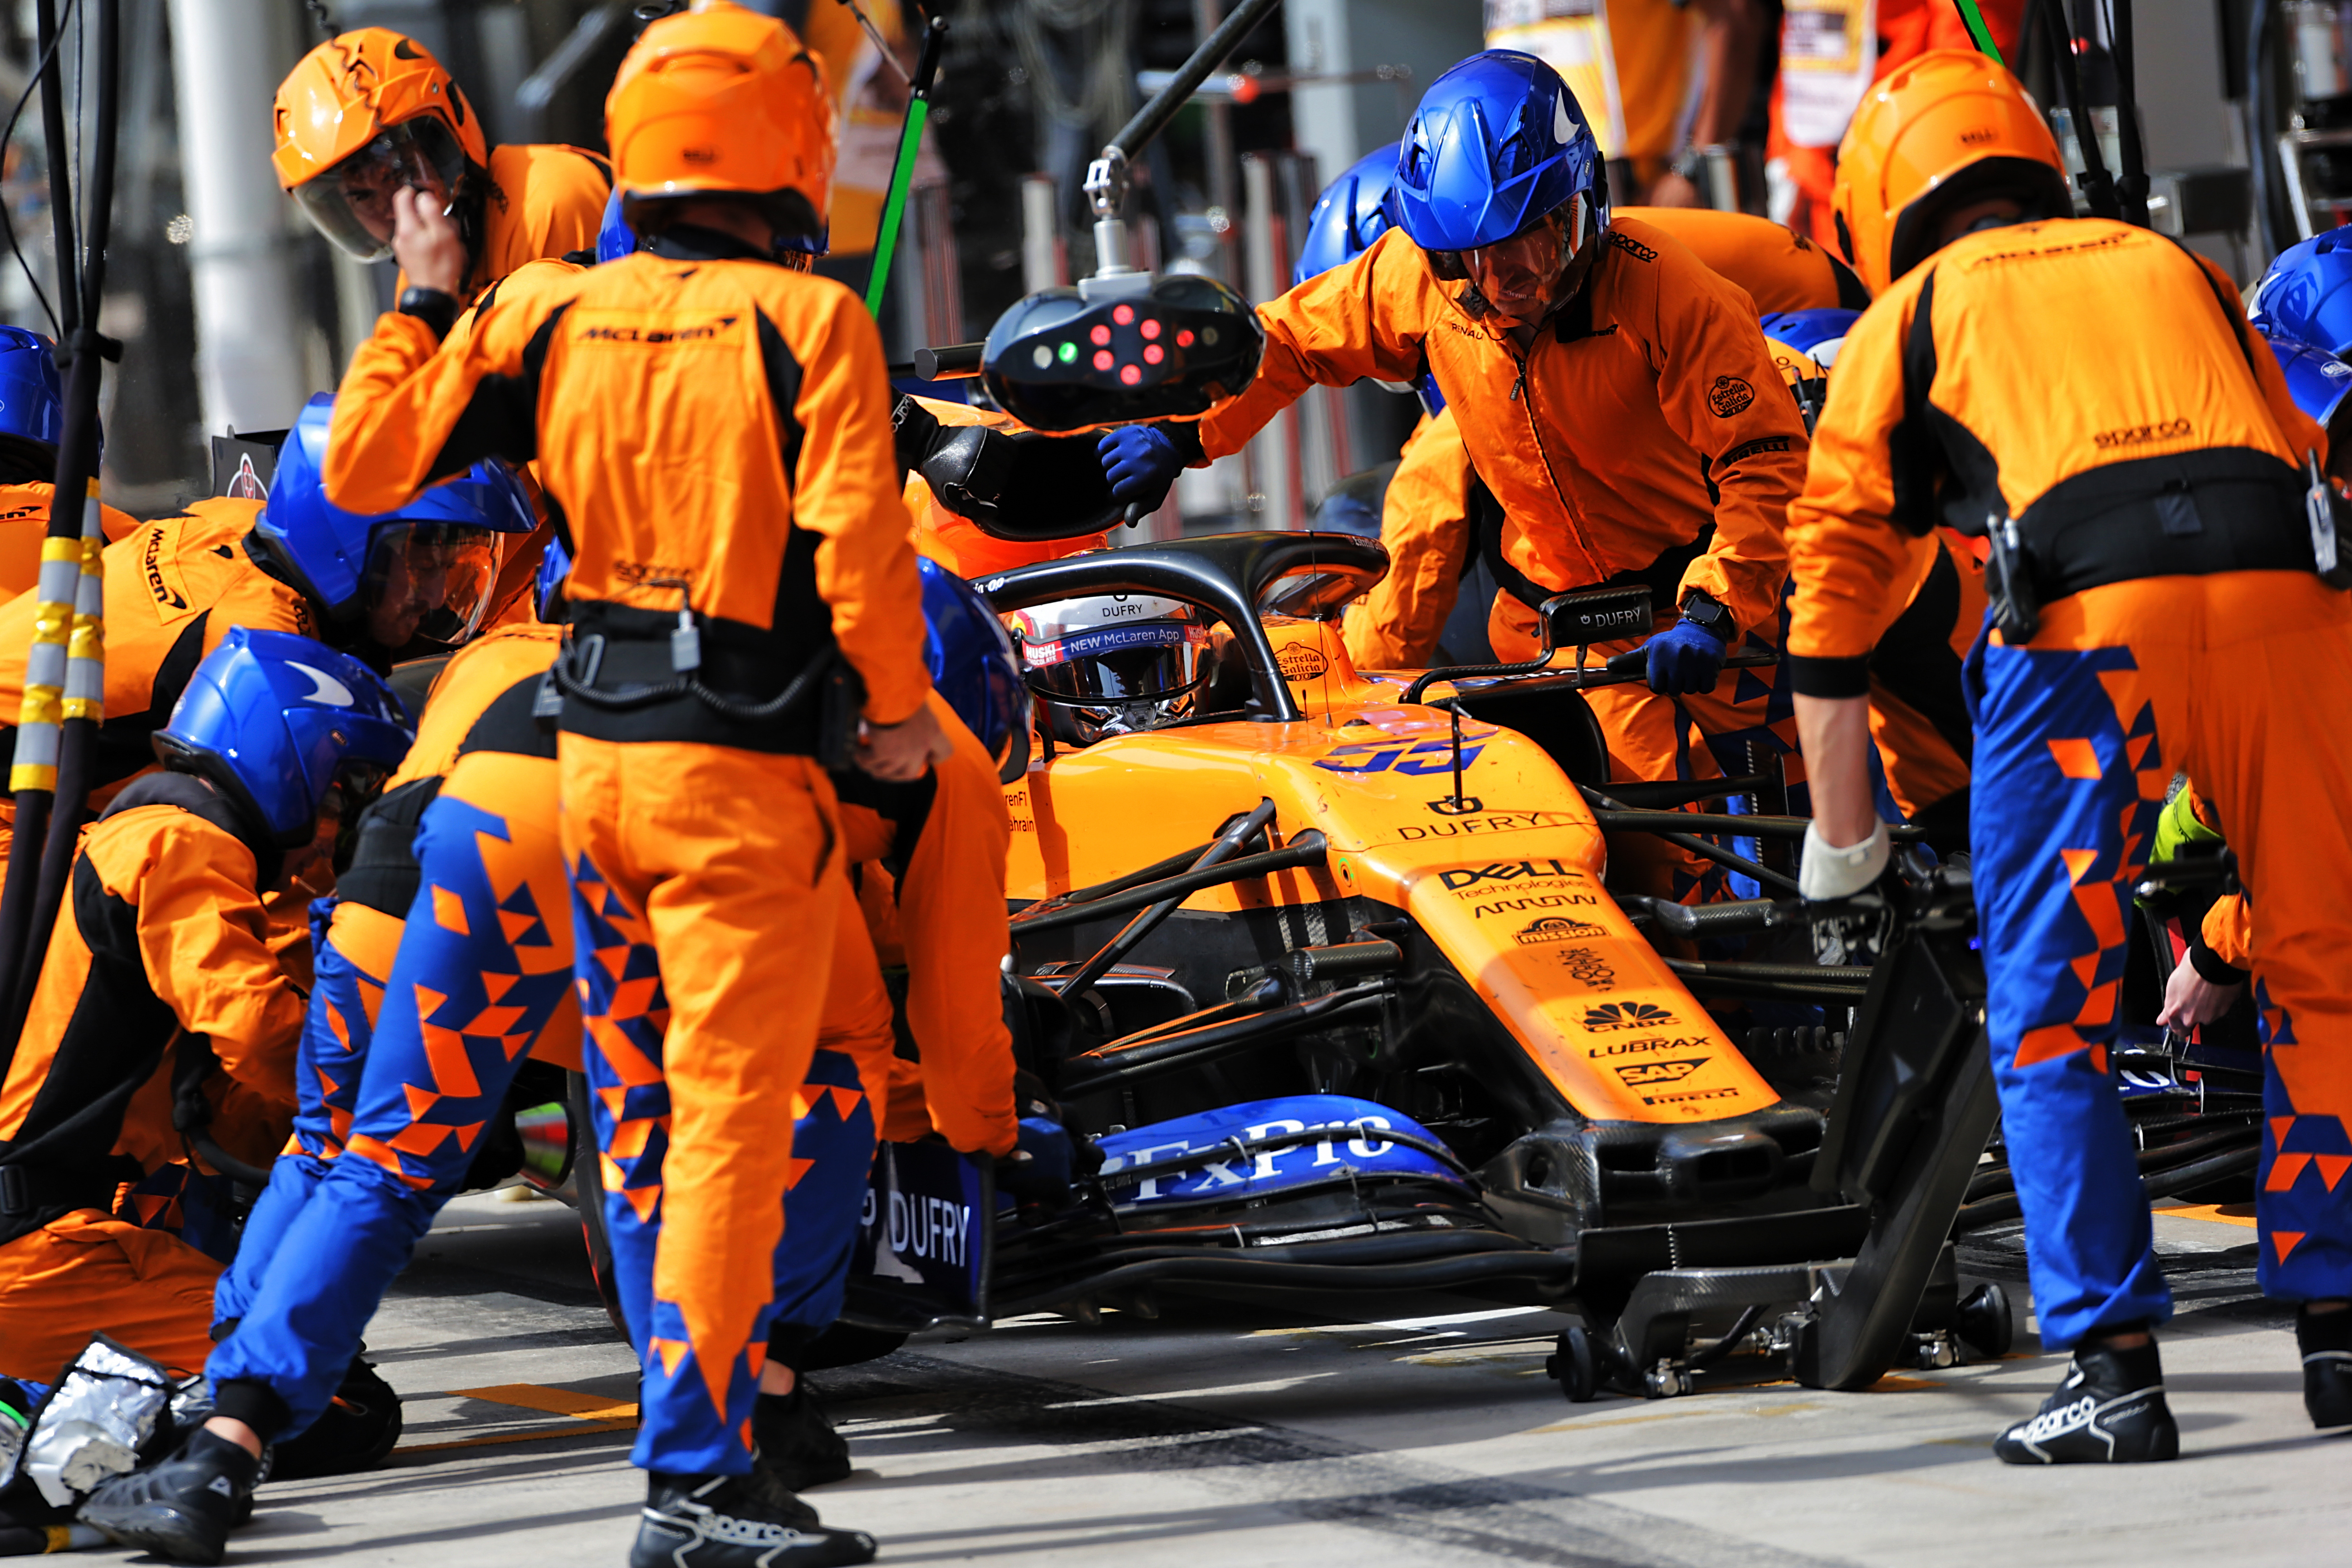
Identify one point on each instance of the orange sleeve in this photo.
(203, 940)
(1426, 524)
(1334, 329)
(116, 524)
(2229, 930)
(405, 391)
(1721, 394)
(1845, 553)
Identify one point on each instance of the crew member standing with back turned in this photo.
(2156, 610)
(716, 426)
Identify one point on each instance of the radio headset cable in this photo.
(65, 674)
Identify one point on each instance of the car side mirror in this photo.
(1587, 615)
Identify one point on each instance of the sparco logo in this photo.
(1509, 871)
(1639, 1073)
(1611, 1016)
(1589, 969)
(1655, 1043)
(1557, 928)
(2140, 435)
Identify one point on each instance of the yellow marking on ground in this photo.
(2220, 1214)
(536, 1433)
(1619, 1421)
(568, 1402)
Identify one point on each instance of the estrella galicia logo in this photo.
(1510, 871)
(1638, 1074)
(1611, 1016)
(1730, 395)
(1557, 928)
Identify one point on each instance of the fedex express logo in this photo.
(1266, 1164)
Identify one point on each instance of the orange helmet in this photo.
(361, 115)
(719, 99)
(1942, 130)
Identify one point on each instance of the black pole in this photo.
(2096, 187)
(2132, 188)
(60, 151)
(48, 822)
(1154, 116)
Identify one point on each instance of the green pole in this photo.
(902, 173)
(1978, 31)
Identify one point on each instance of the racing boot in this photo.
(793, 1446)
(733, 1522)
(2326, 1340)
(182, 1510)
(2110, 1410)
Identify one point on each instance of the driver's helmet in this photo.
(1113, 663)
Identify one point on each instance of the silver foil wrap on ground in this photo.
(94, 1421)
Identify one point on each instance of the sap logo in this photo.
(1611, 1016)
(1512, 871)
(1557, 928)
(1541, 901)
(929, 1228)
(1688, 1095)
(1656, 1043)
(1499, 822)
(1636, 1074)
(1377, 757)
(1589, 969)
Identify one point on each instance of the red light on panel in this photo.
(1100, 336)
(1153, 353)
(1123, 314)
(1102, 357)
(1130, 375)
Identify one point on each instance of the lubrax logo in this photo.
(1637, 1074)
(2140, 435)
(1611, 1016)
(1512, 871)
(1655, 1043)
(1557, 928)
(655, 334)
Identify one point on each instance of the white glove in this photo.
(1829, 872)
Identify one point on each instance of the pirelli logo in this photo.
(1761, 445)
(2141, 434)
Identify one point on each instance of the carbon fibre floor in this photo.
(1277, 1431)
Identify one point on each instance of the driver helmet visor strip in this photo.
(1525, 267)
(350, 202)
(1117, 664)
(439, 576)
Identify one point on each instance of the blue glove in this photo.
(1140, 464)
(1683, 658)
(1036, 1175)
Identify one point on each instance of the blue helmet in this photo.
(272, 718)
(615, 237)
(1497, 143)
(32, 402)
(1351, 213)
(2315, 379)
(554, 567)
(2305, 295)
(1817, 332)
(335, 554)
(971, 659)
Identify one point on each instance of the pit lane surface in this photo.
(1377, 1430)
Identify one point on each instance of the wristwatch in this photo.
(437, 309)
(1700, 608)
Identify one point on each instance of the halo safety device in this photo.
(2303, 294)
(973, 662)
(723, 99)
(1941, 130)
(444, 535)
(362, 115)
(273, 719)
(1497, 143)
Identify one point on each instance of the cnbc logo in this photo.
(1611, 1017)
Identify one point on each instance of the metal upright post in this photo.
(1274, 451)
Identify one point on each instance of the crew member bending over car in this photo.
(1612, 393)
(2157, 609)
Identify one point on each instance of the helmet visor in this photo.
(1117, 664)
(350, 204)
(430, 581)
(1514, 279)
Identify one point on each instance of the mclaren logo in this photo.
(1611, 1016)
(1639, 1073)
(151, 559)
(656, 334)
(1557, 928)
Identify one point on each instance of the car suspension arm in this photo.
(1165, 1052)
(1307, 849)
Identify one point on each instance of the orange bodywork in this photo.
(1510, 891)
